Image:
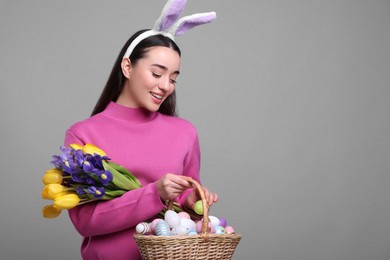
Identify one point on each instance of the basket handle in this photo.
(205, 219)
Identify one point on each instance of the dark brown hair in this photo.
(116, 79)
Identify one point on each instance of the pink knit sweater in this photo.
(148, 144)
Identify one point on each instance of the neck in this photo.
(135, 115)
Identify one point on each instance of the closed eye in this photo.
(156, 75)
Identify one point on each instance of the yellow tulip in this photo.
(52, 176)
(92, 149)
(52, 190)
(76, 147)
(50, 211)
(67, 201)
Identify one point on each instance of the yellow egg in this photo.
(198, 207)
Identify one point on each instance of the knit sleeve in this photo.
(104, 217)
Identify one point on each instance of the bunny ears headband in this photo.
(169, 24)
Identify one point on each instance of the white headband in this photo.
(169, 25)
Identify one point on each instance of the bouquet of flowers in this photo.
(83, 174)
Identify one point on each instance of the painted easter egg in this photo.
(222, 222)
(187, 223)
(229, 230)
(211, 229)
(198, 207)
(172, 218)
(220, 230)
(184, 214)
(214, 221)
(199, 227)
(153, 224)
(179, 230)
(162, 229)
(142, 228)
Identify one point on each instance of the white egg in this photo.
(142, 228)
(172, 218)
(214, 221)
(188, 224)
(180, 230)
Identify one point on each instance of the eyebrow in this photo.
(165, 68)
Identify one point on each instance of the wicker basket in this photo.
(202, 246)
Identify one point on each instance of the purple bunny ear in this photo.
(170, 13)
(169, 24)
(188, 22)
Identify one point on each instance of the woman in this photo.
(134, 122)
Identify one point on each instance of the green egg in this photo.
(198, 207)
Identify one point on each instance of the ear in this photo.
(126, 67)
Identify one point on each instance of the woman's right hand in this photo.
(170, 186)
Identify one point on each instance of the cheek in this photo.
(172, 88)
(150, 81)
(146, 81)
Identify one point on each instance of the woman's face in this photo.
(151, 80)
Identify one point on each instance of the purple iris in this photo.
(89, 180)
(66, 161)
(77, 177)
(80, 191)
(86, 171)
(57, 162)
(79, 157)
(96, 160)
(70, 167)
(97, 192)
(93, 164)
(105, 177)
(88, 166)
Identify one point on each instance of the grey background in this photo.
(290, 98)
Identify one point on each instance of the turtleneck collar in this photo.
(134, 115)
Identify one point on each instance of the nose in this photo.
(164, 85)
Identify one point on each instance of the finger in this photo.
(210, 197)
(179, 180)
(215, 197)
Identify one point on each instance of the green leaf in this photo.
(119, 179)
(125, 172)
(107, 197)
(115, 193)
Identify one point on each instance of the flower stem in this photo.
(85, 201)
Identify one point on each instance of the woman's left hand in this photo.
(194, 197)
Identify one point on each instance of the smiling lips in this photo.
(158, 98)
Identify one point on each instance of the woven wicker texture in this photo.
(187, 247)
(202, 246)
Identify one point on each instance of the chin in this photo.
(152, 108)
